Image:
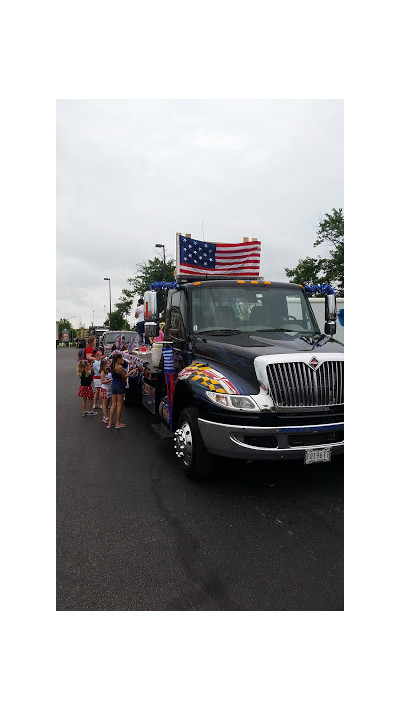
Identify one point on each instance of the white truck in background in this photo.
(57, 327)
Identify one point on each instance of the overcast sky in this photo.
(132, 173)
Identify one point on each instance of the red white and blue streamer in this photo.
(169, 379)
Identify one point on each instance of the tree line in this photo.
(310, 270)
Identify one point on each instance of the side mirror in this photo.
(330, 307)
(330, 314)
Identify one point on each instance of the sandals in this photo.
(120, 426)
(110, 425)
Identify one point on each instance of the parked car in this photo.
(109, 338)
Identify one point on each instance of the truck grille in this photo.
(297, 385)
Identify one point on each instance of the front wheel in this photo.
(189, 446)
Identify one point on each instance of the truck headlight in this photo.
(232, 402)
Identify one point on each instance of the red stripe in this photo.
(237, 260)
(250, 248)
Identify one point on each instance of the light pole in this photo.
(163, 248)
(164, 273)
(109, 286)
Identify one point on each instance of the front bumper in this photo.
(270, 443)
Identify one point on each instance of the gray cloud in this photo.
(133, 173)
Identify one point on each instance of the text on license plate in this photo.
(313, 456)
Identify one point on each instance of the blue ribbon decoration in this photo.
(163, 285)
(319, 289)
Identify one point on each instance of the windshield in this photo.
(244, 309)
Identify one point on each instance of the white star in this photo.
(200, 248)
(185, 249)
(210, 260)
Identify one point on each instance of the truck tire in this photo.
(198, 463)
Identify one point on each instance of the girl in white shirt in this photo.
(105, 388)
(96, 378)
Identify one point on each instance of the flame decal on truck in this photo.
(208, 378)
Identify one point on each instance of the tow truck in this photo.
(245, 373)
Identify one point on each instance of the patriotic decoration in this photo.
(133, 342)
(169, 379)
(163, 285)
(197, 257)
(208, 378)
(319, 289)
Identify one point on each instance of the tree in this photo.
(150, 271)
(329, 270)
(118, 321)
(306, 272)
(147, 272)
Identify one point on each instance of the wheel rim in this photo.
(184, 443)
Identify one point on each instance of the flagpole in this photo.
(177, 253)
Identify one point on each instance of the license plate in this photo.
(313, 456)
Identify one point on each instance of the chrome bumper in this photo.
(229, 440)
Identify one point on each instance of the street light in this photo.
(163, 248)
(109, 286)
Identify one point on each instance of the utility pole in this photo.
(109, 286)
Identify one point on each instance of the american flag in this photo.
(197, 257)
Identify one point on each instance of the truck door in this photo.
(176, 329)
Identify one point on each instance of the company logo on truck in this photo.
(208, 378)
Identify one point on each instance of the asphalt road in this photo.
(134, 534)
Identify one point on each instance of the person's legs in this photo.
(104, 403)
(83, 406)
(113, 406)
(120, 400)
(96, 396)
(140, 330)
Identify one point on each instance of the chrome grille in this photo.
(298, 385)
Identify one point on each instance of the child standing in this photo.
(85, 391)
(96, 378)
(105, 388)
(119, 377)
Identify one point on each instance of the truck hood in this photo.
(248, 346)
(237, 352)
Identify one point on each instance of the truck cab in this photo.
(254, 377)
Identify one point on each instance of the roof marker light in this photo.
(266, 282)
(196, 283)
(254, 282)
(240, 282)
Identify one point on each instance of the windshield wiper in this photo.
(220, 331)
(272, 330)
